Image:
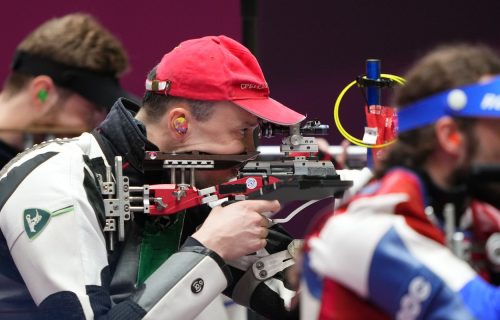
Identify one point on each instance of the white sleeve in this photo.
(52, 231)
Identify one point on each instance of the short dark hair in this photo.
(443, 68)
(156, 104)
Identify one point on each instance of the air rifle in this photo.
(297, 175)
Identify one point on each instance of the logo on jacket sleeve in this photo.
(35, 219)
(197, 285)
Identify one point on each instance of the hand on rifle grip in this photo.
(237, 229)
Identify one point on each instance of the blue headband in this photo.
(475, 100)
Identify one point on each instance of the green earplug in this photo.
(42, 95)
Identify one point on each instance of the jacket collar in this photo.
(126, 135)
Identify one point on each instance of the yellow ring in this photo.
(336, 107)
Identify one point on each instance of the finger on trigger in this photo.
(265, 221)
(264, 233)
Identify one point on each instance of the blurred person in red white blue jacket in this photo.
(384, 253)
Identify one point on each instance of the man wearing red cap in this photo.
(206, 95)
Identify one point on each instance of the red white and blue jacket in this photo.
(381, 257)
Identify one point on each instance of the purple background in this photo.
(309, 50)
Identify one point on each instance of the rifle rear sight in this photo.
(293, 140)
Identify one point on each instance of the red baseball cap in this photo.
(218, 68)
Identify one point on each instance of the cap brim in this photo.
(271, 110)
